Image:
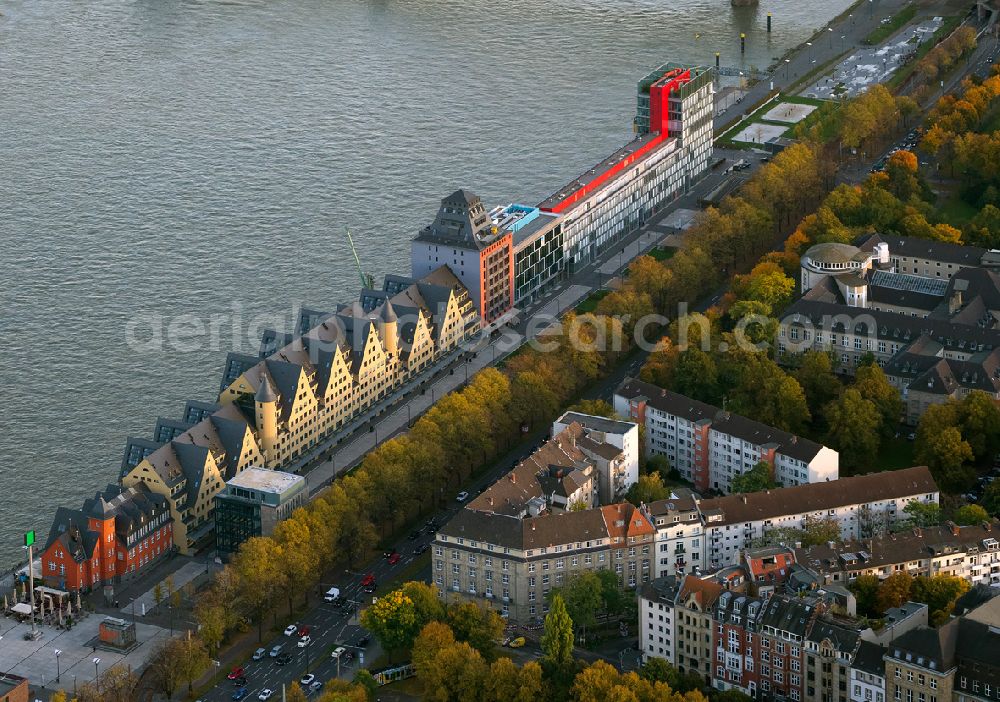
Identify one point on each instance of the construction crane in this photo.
(367, 279)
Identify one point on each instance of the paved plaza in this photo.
(36, 660)
(759, 133)
(868, 66)
(681, 219)
(788, 112)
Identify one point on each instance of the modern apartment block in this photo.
(927, 311)
(252, 503)
(540, 524)
(619, 194)
(310, 385)
(539, 260)
(968, 552)
(859, 504)
(115, 535)
(466, 238)
(612, 445)
(710, 446)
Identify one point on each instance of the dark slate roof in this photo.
(663, 589)
(869, 659)
(842, 638)
(236, 365)
(927, 647)
(878, 294)
(788, 614)
(913, 247)
(70, 527)
(726, 422)
(813, 497)
(529, 533)
(265, 393)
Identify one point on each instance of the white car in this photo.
(276, 650)
(462, 496)
(265, 694)
(331, 595)
(337, 652)
(305, 641)
(259, 654)
(291, 629)
(306, 680)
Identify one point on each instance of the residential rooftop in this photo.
(264, 480)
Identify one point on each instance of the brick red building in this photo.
(116, 533)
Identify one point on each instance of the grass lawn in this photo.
(897, 21)
(589, 304)
(956, 211)
(661, 253)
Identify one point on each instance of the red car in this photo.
(236, 673)
(303, 631)
(368, 580)
(394, 559)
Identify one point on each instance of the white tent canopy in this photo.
(21, 608)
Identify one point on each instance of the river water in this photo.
(175, 174)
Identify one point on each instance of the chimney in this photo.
(955, 302)
(954, 528)
(513, 477)
(987, 526)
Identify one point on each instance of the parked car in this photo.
(291, 629)
(337, 652)
(517, 643)
(462, 496)
(307, 680)
(265, 694)
(305, 641)
(236, 672)
(259, 653)
(331, 595)
(276, 650)
(241, 693)
(394, 559)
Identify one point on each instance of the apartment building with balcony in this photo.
(612, 445)
(710, 446)
(732, 522)
(680, 539)
(968, 552)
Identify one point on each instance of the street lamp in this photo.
(58, 653)
(830, 29)
(97, 679)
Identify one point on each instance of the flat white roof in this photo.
(275, 481)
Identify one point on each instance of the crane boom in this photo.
(367, 281)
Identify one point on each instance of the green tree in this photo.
(478, 626)
(157, 593)
(947, 454)
(393, 620)
(853, 428)
(557, 641)
(865, 589)
(991, 498)
(457, 673)
(979, 418)
(820, 530)
(971, 515)
(583, 597)
(819, 382)
(648, 488)
(874, 386)
(939, 592)
(598, 408)
(366, 681)
(894, 591)
(696, 376)
(756, 479)
(923, 514)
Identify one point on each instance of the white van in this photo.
(331, 595)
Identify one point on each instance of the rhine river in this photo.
(196, 163)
